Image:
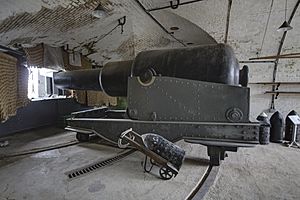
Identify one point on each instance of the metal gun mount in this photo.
(194, 94)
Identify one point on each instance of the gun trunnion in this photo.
(197, 94)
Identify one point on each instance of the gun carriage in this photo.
(196, 94)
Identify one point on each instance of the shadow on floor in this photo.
(191, 160)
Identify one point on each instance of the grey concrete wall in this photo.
(284, 103)
(39, 113)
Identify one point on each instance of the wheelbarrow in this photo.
(162, 153)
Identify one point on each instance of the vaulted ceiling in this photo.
(250, 27)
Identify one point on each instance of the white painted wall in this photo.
(284, 103)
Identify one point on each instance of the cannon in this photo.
(196, 94)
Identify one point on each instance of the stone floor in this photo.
(264, 172)
(42, 175)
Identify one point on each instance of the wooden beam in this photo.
(276, 83)
(282, 56)
(281, 92)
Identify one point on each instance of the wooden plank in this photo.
(274, 57)
(276, 83)
(281, 92)
(290, 55)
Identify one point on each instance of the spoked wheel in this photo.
(126, 133)
(165, 173)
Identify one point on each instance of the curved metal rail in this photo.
(38, 150)
(202, 187)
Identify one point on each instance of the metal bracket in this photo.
(145, 164)
(293, 144)
(277, 87)
(217, 154)
(175, 6)
(122, 22)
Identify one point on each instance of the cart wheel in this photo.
(165, 173)
(82, 137)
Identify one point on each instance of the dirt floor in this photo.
(264, 172)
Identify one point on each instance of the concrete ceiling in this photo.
(69, 22)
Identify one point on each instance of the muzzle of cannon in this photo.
(197, 94)
(111, 79)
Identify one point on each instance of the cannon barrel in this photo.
(211, 63)
(78, 80)
(111, 79)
